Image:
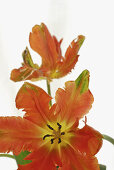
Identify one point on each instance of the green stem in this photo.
(49, 90)
(108, 138)
(7, 155)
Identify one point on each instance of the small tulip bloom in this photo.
(52, 134)
(54, 65)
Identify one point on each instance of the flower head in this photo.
(54, 65)
(52, 134)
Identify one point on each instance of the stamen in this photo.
(46, 136)
(56, 133)
(52, 140)
(62, 133)
(50, 127)
(59, 125)
(59, 141)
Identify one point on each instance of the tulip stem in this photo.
(108, 138)
(49, 90)
(7, 155)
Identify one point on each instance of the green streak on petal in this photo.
(28, 59)
(27, 85)
(81, 39)
(108, 138)
(82, 81)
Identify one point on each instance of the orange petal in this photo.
(35, 102)
(43, 43)
(76, 100)
(87, 140)
(25, 73)
(18, 134)
(71, 56)
(42, 159)
(28, 71)
(58, 48)
(74, 160)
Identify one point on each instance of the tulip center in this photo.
(56, 134)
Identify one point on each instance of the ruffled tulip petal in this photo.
(18, 134)
(76, 100)
(42, 159)
(43, 43)
(74, 160)
(71, 57)
(28, 71)
(35, 102)
(87, 141)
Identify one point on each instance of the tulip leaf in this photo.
(20, 158)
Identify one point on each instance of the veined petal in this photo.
(18, 134)
(43, 43)
(34, 101)
(42, 159)
(87, 140)
(25, 73)
(76, 100)
(28, 71)
(74, 160)
(71, 56)
(58, 48)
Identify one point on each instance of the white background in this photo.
(66, 19)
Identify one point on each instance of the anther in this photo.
(52, 140)
(46, 136)
(59, 125)
(50, 127)
(59, 141)
(62, 133)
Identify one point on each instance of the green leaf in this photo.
(102, 167)
(20, 158)
(82, 81)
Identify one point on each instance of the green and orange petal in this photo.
(28, 71)
(76, 99)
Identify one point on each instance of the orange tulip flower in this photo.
(54, 65)
(52, 134)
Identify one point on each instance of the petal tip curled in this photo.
(83, 81)
(81, 39)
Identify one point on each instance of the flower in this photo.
(52, 134)
(54, 65)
